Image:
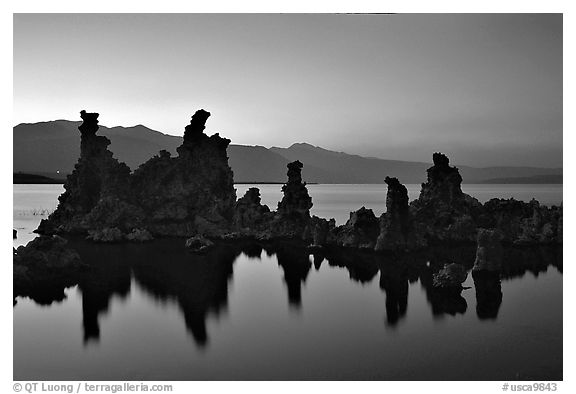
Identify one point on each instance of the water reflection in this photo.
(488, 294)
(199, 284)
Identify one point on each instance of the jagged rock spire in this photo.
(296, 201)
(197, 125)
(89, 125)
(444, 182)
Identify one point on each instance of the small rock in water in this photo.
(14, 234)
(450, 277)
(198, 243)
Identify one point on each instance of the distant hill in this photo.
(529, 180)
(47, 147)
(348, 168)
(20, 178)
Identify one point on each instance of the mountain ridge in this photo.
(54, 146)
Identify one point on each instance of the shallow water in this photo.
(156, 312)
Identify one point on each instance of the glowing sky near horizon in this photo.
(485, 89)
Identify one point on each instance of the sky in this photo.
(486, 89)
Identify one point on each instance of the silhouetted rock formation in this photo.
(489, 252)
(523, 222)
(183, 196)
(249, 213)
(94, 189)
(321, 231)
(192, 195)
(360, 231)
(292, 219)
(296, 201)
(396, 229)
(442, 212)
(195, 130)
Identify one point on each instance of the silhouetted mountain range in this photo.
(48, 147)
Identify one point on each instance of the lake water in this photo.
(156, 312)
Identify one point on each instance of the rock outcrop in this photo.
(292, 218)
(523, 222)
(442, 212)
(396, 227)
(296, 202)
(182, 196)
(193, 195)
(97, 178)
(360, 231)
(249, 213)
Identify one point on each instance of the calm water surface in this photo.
(155, 312)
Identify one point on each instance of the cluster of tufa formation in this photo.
(193, 195)
(166, 196)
